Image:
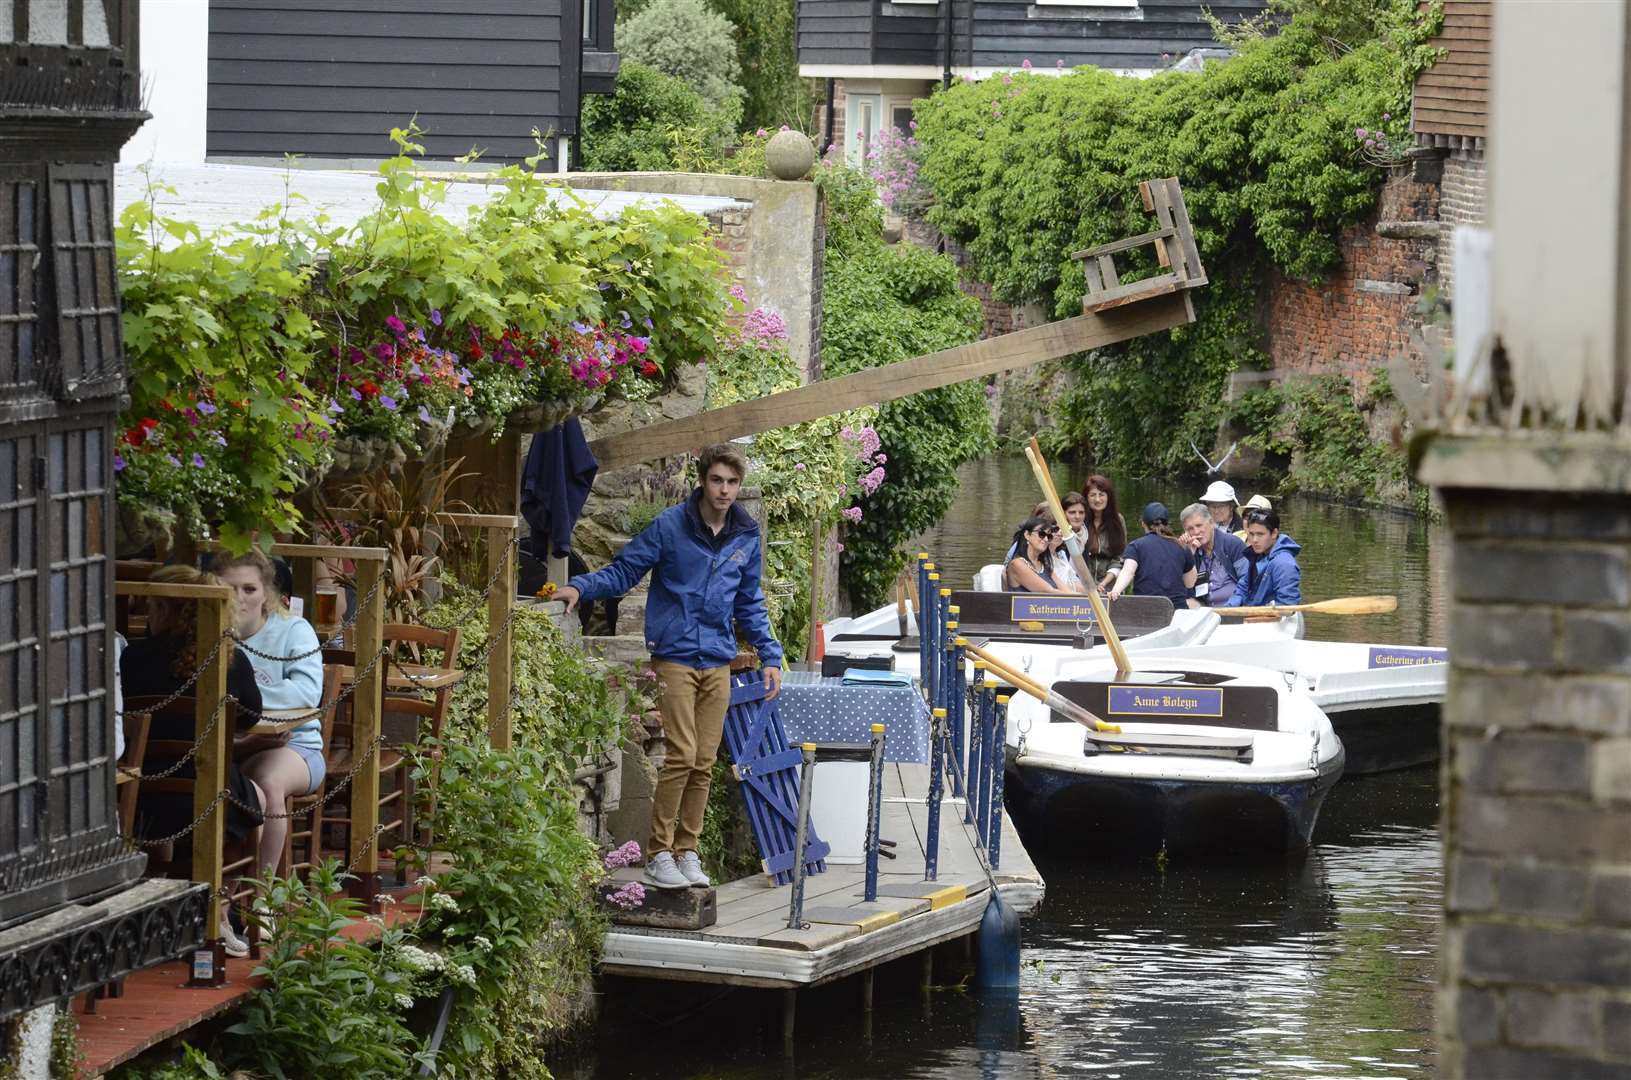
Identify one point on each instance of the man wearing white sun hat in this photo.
(1220, 500)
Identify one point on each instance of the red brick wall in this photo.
(1365, 313)
(731, 237)
(1461, 203)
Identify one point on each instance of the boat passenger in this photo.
(1157, 563)
(1273, 576)
(1256, 502)
(1106, 530)
(1220, 557)
(158, 665)
(1064, 572)
(288, 666)
(1031, 569)
(1219, 498)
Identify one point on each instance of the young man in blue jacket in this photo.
(704, 559)
(1273, 576)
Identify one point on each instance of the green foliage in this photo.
(646, 121)
(513, 912)
(1322, 428)
(765, 45)
(65, 1053)
(808, 474)
(327, 1003)
(879, 306)
(685, 39)
(190, 1064)
(220, 427)
(245, 360)
(564, 703)
(1026, 169)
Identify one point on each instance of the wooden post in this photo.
(368, 636)
(305, 585)
(210, 763)
(500, 567)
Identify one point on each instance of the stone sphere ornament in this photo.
(789, 155)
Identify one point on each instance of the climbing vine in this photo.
(1026, 168)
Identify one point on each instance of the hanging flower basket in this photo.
(136, 529)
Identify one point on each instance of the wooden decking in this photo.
(750, 944)
(156, 1006)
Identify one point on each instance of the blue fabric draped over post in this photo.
(555, 484)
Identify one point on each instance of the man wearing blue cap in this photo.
(1158, 563)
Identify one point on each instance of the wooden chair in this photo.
(237, 859)
(130, 612)
(127, 773)
(414, 641)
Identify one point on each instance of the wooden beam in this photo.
(1050, 341)
(215, 750)
(366, 701)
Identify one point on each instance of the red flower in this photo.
(648, 369)
(476, 353)
(369, 388)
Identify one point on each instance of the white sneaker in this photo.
(235, 945)
(662, 872)
(690, 866)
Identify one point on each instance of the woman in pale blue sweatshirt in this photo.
(288, 665)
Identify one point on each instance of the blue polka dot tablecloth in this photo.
(814, 709)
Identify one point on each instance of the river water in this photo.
(1324, 966)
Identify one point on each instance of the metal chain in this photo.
(348, 624)
(274, 815)
(181, 691)
(487, 591)
(196, 822)
(192, 750)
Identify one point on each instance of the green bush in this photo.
(881, 305)
(765, 45)
(683, 38)
(1328, 437)
(1027, 168)
(647, 122)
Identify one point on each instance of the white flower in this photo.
(443, 902)
(384, 899)
(403, 1001)
(464, 973)
(421, 960)
(483, 944)
(423, 882)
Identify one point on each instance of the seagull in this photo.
(1211, 469)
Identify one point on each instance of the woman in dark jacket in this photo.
(156, 666)
(1106, 531)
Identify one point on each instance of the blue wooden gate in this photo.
(769, 775)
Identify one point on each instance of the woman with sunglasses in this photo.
(1032, 567)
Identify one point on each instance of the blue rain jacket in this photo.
(702, 586)
(1274, 578)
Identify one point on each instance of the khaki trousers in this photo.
(693, 704)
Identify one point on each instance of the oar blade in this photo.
(1356, 605)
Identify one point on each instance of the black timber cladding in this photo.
(331, 78)
(1005, 33)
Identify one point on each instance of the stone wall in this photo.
(1535, 970)
(1364, 314)
(1461, 202)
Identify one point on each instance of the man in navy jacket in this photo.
(704, 559)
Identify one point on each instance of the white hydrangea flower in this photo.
(384, 899)
(443, 902)
(403, 1001)
(423, 882)
(483, 944)
(421, 960)
(464, 973)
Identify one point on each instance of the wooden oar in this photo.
(1343, 605)
(1040, 692)
(1033, 454)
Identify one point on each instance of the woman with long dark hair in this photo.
(1106, 531)
(1031, 569)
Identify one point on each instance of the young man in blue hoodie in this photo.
(704, 560)
(1273, 576)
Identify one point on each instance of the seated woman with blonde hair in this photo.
(288, 665)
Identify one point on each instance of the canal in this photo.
(1132, 967)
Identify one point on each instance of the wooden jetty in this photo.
(750, 943)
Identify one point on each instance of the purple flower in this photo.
(172, 459)
(1026, 63)
(220, 440)
(206, 408)
(647, 322)
(1359, 133)
(435, 317)
(424, 415)
(118, 463)
(356, 395)
(334, 406)
(604, 286)
(1059, 65)
(761, 133)
(580, 328)
(1387, 116)
(198, 461)
(415, 370)
(395, 325)
(852, 514)
(388, 401)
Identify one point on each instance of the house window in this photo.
(589, 21)
(900, 118)
(1086, 3)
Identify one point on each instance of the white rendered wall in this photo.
(175, 82)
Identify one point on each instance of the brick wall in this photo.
(1364, 314)
(1535, 977)
(838, 103)
(730, 229)
(1461, 202)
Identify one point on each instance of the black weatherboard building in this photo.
(879, 55)
(329, 78)
(73, 914)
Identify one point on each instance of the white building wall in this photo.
(175, 82)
